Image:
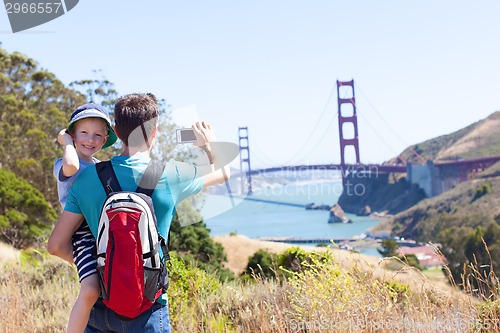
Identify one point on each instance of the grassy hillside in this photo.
(477, 140)
(459, 207)
(338, 294)
(480, 139)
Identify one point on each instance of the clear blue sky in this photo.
(422, 68)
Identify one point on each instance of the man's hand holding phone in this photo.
(202, 135)
(199, 134)
(185, 135)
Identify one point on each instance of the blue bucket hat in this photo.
(92, 110)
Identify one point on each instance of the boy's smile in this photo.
(89, 135)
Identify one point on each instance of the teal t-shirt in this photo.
(179, 181)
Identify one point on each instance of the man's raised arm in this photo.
(218, 171)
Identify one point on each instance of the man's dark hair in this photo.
(136, 112)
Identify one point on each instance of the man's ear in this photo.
(116, 132)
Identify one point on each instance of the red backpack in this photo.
(131, 269)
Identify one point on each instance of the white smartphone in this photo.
(185, 135)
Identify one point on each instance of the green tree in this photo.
(194, 244)
(480, 191)
(389, 248)
(25, 216)
(295, 260)
(97, 90)
(412, 260)
(471, 252)
(262, 263)
(34, 106)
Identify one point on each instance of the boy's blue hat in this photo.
(95, 111)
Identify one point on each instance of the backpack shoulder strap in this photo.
(148, 183)
(107, 177)
(151, 177)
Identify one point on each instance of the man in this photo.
(136, 119)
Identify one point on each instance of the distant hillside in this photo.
(480, 139)
(470, 204)
(456, 207)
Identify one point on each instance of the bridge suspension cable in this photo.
(327, 130)
(306, 142)
(262, 157)
(389, 126)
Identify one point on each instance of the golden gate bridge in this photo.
(433, 177)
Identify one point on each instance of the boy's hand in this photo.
(64, 138)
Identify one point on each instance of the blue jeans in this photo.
(104, 320)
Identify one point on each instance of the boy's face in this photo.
(89, 135)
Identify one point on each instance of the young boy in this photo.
(88, 132)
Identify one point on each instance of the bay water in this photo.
(225, 214)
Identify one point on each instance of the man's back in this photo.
(179, 181)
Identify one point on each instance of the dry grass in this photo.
(8, 253)
(36, 297)
(239, 248)
(472, 140)
(327, 298)
(348, 293)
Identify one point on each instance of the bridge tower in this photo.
(347, 117)
(244, 158)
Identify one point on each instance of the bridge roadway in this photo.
(483, 162)
(249, 198)
(349, 167)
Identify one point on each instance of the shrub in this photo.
(389, 248)
(480, 191)
(25, 216)
(262, 263)
(295, 259)
(189, 287)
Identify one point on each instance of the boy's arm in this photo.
(70, 161)
(59, 243)
(217, 172)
